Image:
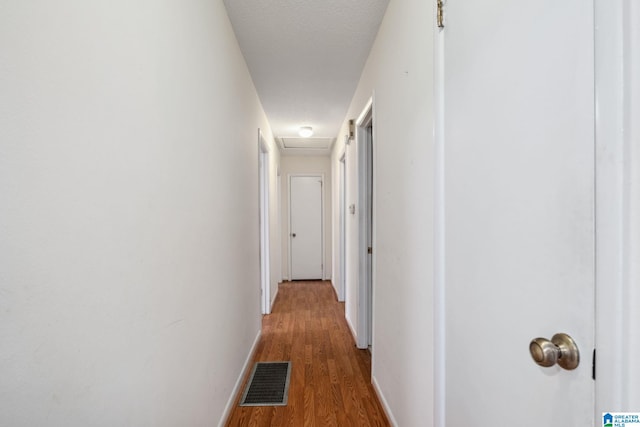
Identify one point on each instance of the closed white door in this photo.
(519, 201)
(305, 230)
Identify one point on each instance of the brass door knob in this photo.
(562, 349)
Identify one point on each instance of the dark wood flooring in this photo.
(330, 378)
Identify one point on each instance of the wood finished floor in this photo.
(330, 378)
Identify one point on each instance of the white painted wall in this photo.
(306, 165)
(129, 277)
(400, 73)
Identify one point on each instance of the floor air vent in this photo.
(268, 385)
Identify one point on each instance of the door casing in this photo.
(365, 147)
(614, 54)
(342, 212)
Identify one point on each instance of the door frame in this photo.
(322, 219)
(439, 215)
(615, 209)
(280, 273)
(342, 213)
(365, 147)
(265, 254)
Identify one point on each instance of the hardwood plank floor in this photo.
(330, 378)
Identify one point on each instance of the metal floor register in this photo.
(268, 385)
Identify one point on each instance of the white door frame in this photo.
(322, 202)
(366, 224)
(439, 266)
(265, 276)
(342, 244)
(616, 205)
(280, 273)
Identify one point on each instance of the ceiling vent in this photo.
(307, 143)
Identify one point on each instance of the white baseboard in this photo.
(236, 389)
(352, 329)
(383, 401)
(274, 298)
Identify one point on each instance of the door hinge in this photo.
(593, 365)
(369, 250)
(440, 14)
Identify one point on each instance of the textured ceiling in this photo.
(305, 57)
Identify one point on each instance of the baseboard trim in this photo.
(335, 291)
(383, 402)
(352, 329)
(236, 389)
(273, 300)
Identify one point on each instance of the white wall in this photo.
(306, 165)
(399, 72)
(129, 277)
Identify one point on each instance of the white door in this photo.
(264, 229)
(519, 202)
(305, 230)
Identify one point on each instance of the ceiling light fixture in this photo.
(305, 131)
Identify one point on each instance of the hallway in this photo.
(138, 138)
(330, 378)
